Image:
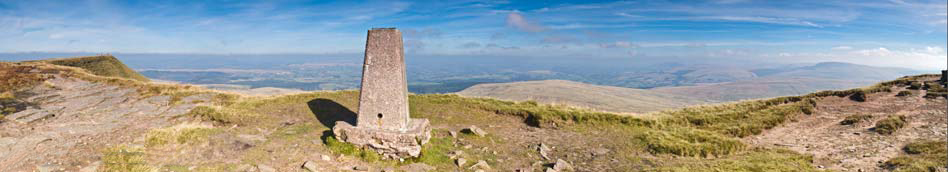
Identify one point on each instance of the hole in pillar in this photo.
(380, 115)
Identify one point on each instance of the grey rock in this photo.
(265, 168)
(562, 165)
(460, 162)
(543, 149)
(481, 164)
(246, 168)
(360, 168)
(326, 158)
(600, 151)
(311, 166)
(474, 130)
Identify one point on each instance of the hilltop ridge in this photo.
(102, 65)
(606, 98)
(80, 121)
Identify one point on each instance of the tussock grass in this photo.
(854, 119)
(179, 134)
(752, 161)
(740, 119)
(690, 142)
(904, 93)
(124, 158)
(925, 155)
(890, 124)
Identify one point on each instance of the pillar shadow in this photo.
(329, 111)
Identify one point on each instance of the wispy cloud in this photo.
(517, 20)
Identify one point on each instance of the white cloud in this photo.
(516, 20)
(929, 50)
(618, 44)
(842, 48)
(881, 51)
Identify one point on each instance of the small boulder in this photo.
(326, 158)
(453, 134)
(543, 149)
(562, 165)
(474, 130)
(265, 168)
(481, 164)
(310, 165)
(360, 168)
(460, 162)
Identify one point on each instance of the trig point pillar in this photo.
(383, 123)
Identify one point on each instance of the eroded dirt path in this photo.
(856, 147)
(71, 121)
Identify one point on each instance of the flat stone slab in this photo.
(390, 143)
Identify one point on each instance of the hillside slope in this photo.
(102, 65)
(65, 118)
(607, 98)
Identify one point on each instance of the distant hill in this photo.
(792, 81)
(102, 65)
(607, 98)
(707, 84)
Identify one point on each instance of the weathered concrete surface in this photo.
(71, 121)
(383, 122)
(391, 144)
(383, 100)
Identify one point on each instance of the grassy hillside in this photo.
(760, 88)
(606, 98)
(282, 132)
(102, 65)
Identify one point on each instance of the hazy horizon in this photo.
(897, 33)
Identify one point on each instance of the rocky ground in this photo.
(857, 147)
(70, 121)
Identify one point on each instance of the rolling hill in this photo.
(606, 98)
(67, 119)
(102, 65)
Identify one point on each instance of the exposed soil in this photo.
(857, 147)
(71, 121)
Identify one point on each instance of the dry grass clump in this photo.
(179, 134)
(124, 158)
(890, 124)
(920, 156)
(904, 93)
(854, 119)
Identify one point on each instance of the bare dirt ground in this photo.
(857, 147)
(71, 121)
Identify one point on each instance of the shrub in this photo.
(915, 85)
(853, 119)
(859, 96)
(904, 93)
(890, 125)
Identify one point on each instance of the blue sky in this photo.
(902, 33)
